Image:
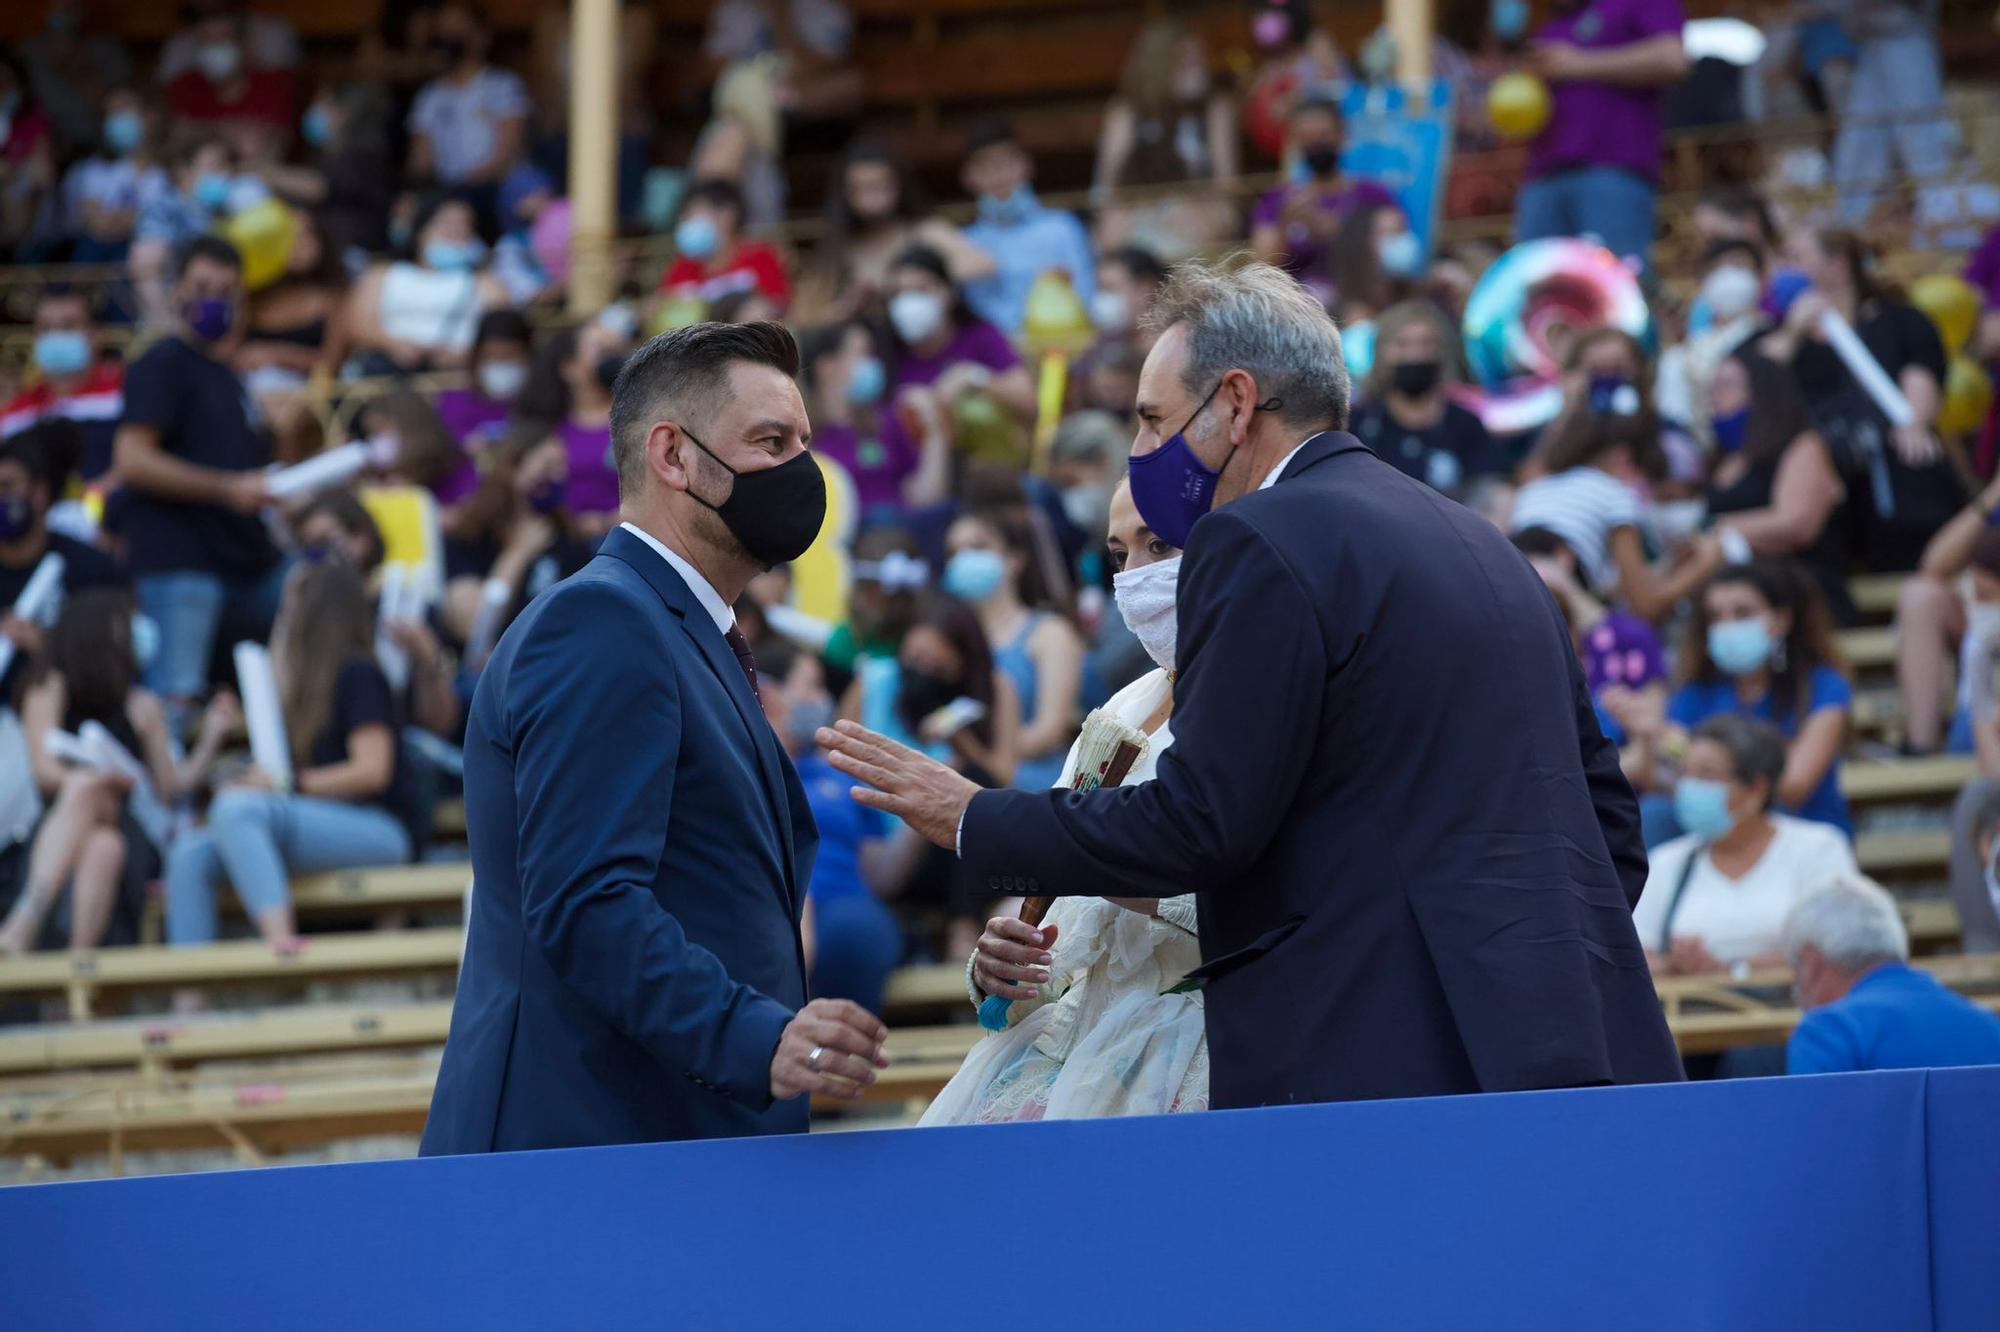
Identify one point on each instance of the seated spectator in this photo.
(815, 39)
(1594, 170)
(1620, 652)
(228, 91)
(1297, 61)
(712, 260)
(419, 312)
(77, 381)
(1405, 414)
(1025, 237)
(1294, 226)
(73, 70)
(27, 161)
(743, 142)
(29, 478)
(569, 393)
(502, 351)
(1923, 485)
(1168, 123)
(1932, 621)
(201, 171)
(853, 941)
(1774, 484)
(1086, 463)
(883, 600)
(1866, 1006)
(89, 840)
(191, 454)
(1758, 646)
(1127, 281)
(994, 565)
(352, 171)
(525, 194)
(102, 193)
(873, 215)
(269, 42)
(350, 801)
(942, 344)
(1725, 313)
(292, 330)
(425, 453)
(854, 423)
(1374, 263)
(516, 541)
(1742, 216)
(1716, 897)
(1597, 468)
(469, 125)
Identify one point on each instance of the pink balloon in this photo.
(549, 239)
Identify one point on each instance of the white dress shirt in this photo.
(711, 600)
(1271, 477)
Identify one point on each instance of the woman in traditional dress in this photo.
(1098, 1023)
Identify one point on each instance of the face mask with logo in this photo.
(548, 496)
(774, 514)
(697, 237)
(502, 380)
(866, 380)
(17, 519)
(1702, 807)
(1145, 598)
(1110, 311)
(1173, 487)
(449, 256)
(1730, 292)
(1739, 647)
(123, 131)
(1413, 379)
(211, 190)
(209, 317)
(1730, 429)
(62, 351)
(974, 575)
(1401, 255)
(916, 315)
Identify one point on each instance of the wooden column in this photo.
(1411, 23)
(593, 151)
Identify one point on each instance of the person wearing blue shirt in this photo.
(1868, 1008)
(1760, 646)
(1024, 238)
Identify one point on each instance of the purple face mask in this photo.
(1172, 487)
(210, 317)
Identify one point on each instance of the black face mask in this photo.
(775, 513)
(607, 373)
(1321, 159)
(452, 50)
(1416, 378)
(921, 694)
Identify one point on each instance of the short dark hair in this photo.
(50, 449)
(682, 371)
(1744, 205)
(1541, 543)
(212, 248)
(345, 509)
(62, 291)
(1756, 749)
(990, 132)
(1723, 249)
(717, 192)
(1139, 261)
(502, 325)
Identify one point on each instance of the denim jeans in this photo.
(259, 840)
(1610, 203)
(191, 610)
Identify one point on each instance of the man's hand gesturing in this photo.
(831, 1047)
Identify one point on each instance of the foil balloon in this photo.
(263, 235)
(1518, 105)
(1524, 311)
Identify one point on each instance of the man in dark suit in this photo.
(640, 844)
(1415, 854)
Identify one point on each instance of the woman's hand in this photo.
(1802, 319)
(1642, 712)
(1012, 958)
(223, 719)
(1687, 955)
(1916, 445)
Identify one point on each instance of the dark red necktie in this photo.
(741, 647)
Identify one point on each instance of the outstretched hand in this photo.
(917, 789)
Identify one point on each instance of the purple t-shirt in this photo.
(1622, 650)
(473, 419)
(1305, 258)
(1603, 124)
(879, 456)
(1982, 271)
(593, 476)
(975, 341)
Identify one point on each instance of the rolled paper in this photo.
(494, 596)
(39, 602)
(335, 467)
(1867, 371)
(262, 713)
(103, 751)
(395, 604)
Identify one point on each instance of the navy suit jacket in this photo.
(640, 854)
(1415, 853)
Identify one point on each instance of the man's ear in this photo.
(1239, 391)
(666, 455)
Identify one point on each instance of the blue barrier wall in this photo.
(1963, 1145)
(1762, 1204)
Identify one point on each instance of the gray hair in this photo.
(1851, 920)
(1256, 318)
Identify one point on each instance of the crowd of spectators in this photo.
(1696, 507)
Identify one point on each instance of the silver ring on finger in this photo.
(813, 1057)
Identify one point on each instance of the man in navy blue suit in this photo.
(640, 843)
(1415, 856)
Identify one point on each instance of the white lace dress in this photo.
(1104, 1039)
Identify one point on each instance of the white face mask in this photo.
(1109, 311)
(1145, 599)
(916, 315)
(1731, 292)
(501, 380)
(219, 60)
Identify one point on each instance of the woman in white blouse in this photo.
(1096, 1027)
(1716, 898)
(420, 312)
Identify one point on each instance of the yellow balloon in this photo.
(263, 235)
(1952, 305)
(1518, 105)
(1968, 396)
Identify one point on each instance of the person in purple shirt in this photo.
(941, 343)
(856, 425)
(569, 391)
(1867, 1008)
(1595, 169)
(476, 414)
(1294, 226)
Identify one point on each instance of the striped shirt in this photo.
(1584, 507)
